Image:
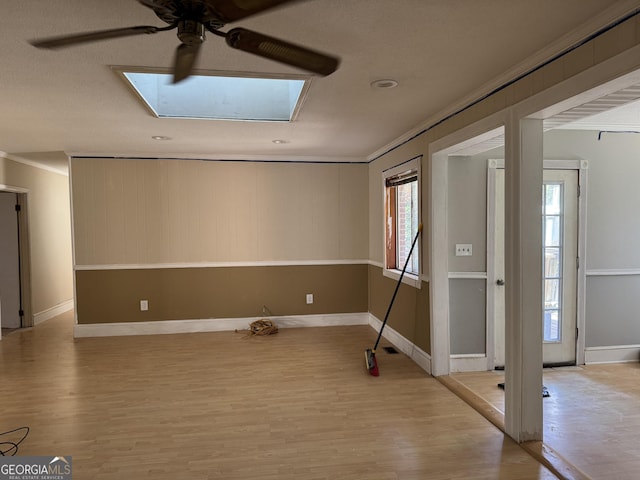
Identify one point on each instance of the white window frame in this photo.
(409, 278)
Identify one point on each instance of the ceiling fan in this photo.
(193, 18)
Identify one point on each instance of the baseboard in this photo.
(468, 363)
(213, 325)
(613, 354)
(49, 313)
(422, 358)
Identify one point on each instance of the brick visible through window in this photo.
(401, 220)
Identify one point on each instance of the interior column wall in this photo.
(523, 288)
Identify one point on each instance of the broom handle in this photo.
(404, 269)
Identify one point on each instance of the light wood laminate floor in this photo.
(295, 405)
(592, 417)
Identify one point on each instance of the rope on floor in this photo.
(261, 327)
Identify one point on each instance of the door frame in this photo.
(24, 246)
(582, 167)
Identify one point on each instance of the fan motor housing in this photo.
(191, 32)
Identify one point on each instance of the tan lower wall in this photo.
(409, 315)
(111, 296)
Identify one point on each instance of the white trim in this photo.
(581, 285)
(469, 362)
(31, 163)
(9, 188)
(613, 354)
(468, 275)
(490, 309)
(422, 359)
(424, 277)
(551, 164)
(376, 264)
(439, 262)
(214, 325)
(613, 272)
(548, 163)
(412, 279)
(495, 163)
(415, 353)
(265, 263)
(52, 312)
(73, 244)
(408, 278)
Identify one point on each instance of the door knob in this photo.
(500, 282)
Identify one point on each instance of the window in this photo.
(225, 96)
(402, 217)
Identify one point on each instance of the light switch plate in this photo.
(464, 249)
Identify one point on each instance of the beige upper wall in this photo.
(49, 231)
(178, 211)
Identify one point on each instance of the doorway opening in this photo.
(15, 272)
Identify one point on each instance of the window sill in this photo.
(409, 278)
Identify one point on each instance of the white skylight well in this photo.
(220, 96)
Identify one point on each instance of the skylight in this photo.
(220, 97)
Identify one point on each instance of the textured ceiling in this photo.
(443, 53)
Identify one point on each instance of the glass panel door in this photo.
(559, 270)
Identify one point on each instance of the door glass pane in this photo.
(552, 231)
(552, 262)
(551, 293)
(552, 199)
(551, 326)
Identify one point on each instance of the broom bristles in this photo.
(371, 362)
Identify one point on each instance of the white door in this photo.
(560, 247)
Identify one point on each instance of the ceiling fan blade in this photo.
(75, 39)
(232, 10)
(186, 56)
(281, 51)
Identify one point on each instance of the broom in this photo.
(370, 353)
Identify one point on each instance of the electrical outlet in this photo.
(144, 305)
(464, 249)
(309, 298)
